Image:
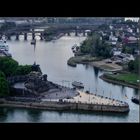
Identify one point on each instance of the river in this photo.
(52, 57)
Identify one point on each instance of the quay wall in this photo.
(49, 105)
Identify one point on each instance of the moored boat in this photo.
(78, 84)
(135, 100)
(3, 45)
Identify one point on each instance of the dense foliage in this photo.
(96, 47)
(129, 50)
(8, 66)
(133, 66)
(4, 88)
(23, 70)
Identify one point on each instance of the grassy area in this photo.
(80, 60)
(132, 78)
(125, 77)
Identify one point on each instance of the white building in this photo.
(129, 30)
(116, 52)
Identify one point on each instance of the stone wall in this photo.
(49, 105)
(14, 79)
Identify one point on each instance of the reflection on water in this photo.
(136, 92)
(96, 72)
(30, 115)
(34, 115)
(52, 57)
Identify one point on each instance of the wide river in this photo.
(52, 57)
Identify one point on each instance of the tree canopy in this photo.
(4, 88)
(8, 66)
(96, 47)
(23, 70)
(134, 66)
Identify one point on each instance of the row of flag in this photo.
(125, 96)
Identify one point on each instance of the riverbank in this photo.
(82, 59)
(126, 79)
(93, 61)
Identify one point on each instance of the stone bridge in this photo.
(43, 34)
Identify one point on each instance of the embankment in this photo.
(96, 62)
(48, 105)
(119, 82)
(83, 59)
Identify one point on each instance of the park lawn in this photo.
(129, 77)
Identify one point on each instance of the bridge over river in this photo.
(45, 30)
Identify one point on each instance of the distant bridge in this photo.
(43, 34)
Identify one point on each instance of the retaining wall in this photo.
(49, 105)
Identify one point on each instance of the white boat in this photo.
(3, 45)
(78, 84)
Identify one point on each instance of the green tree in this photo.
(137, 64)
(4, 87)
(2, 74)
(96, 47)
(23, 70)
(8, 66)
(134, 66)
(126, 49)
(86, 45)
(131, 65)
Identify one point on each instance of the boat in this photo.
(33, 42)
(135, 100)
(77, 84)
(3, 45)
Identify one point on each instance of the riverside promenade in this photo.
(82, 101)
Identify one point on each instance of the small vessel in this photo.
(3, 45)
(78, 84)
(135, 100)
(33, 42)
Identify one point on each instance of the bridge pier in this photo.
(33, 36)
(68, 33)
(0, 36)
(25, 36)
(84, 34)
(76, 33)
(8, 37)
(17, 36)
(41, 36)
